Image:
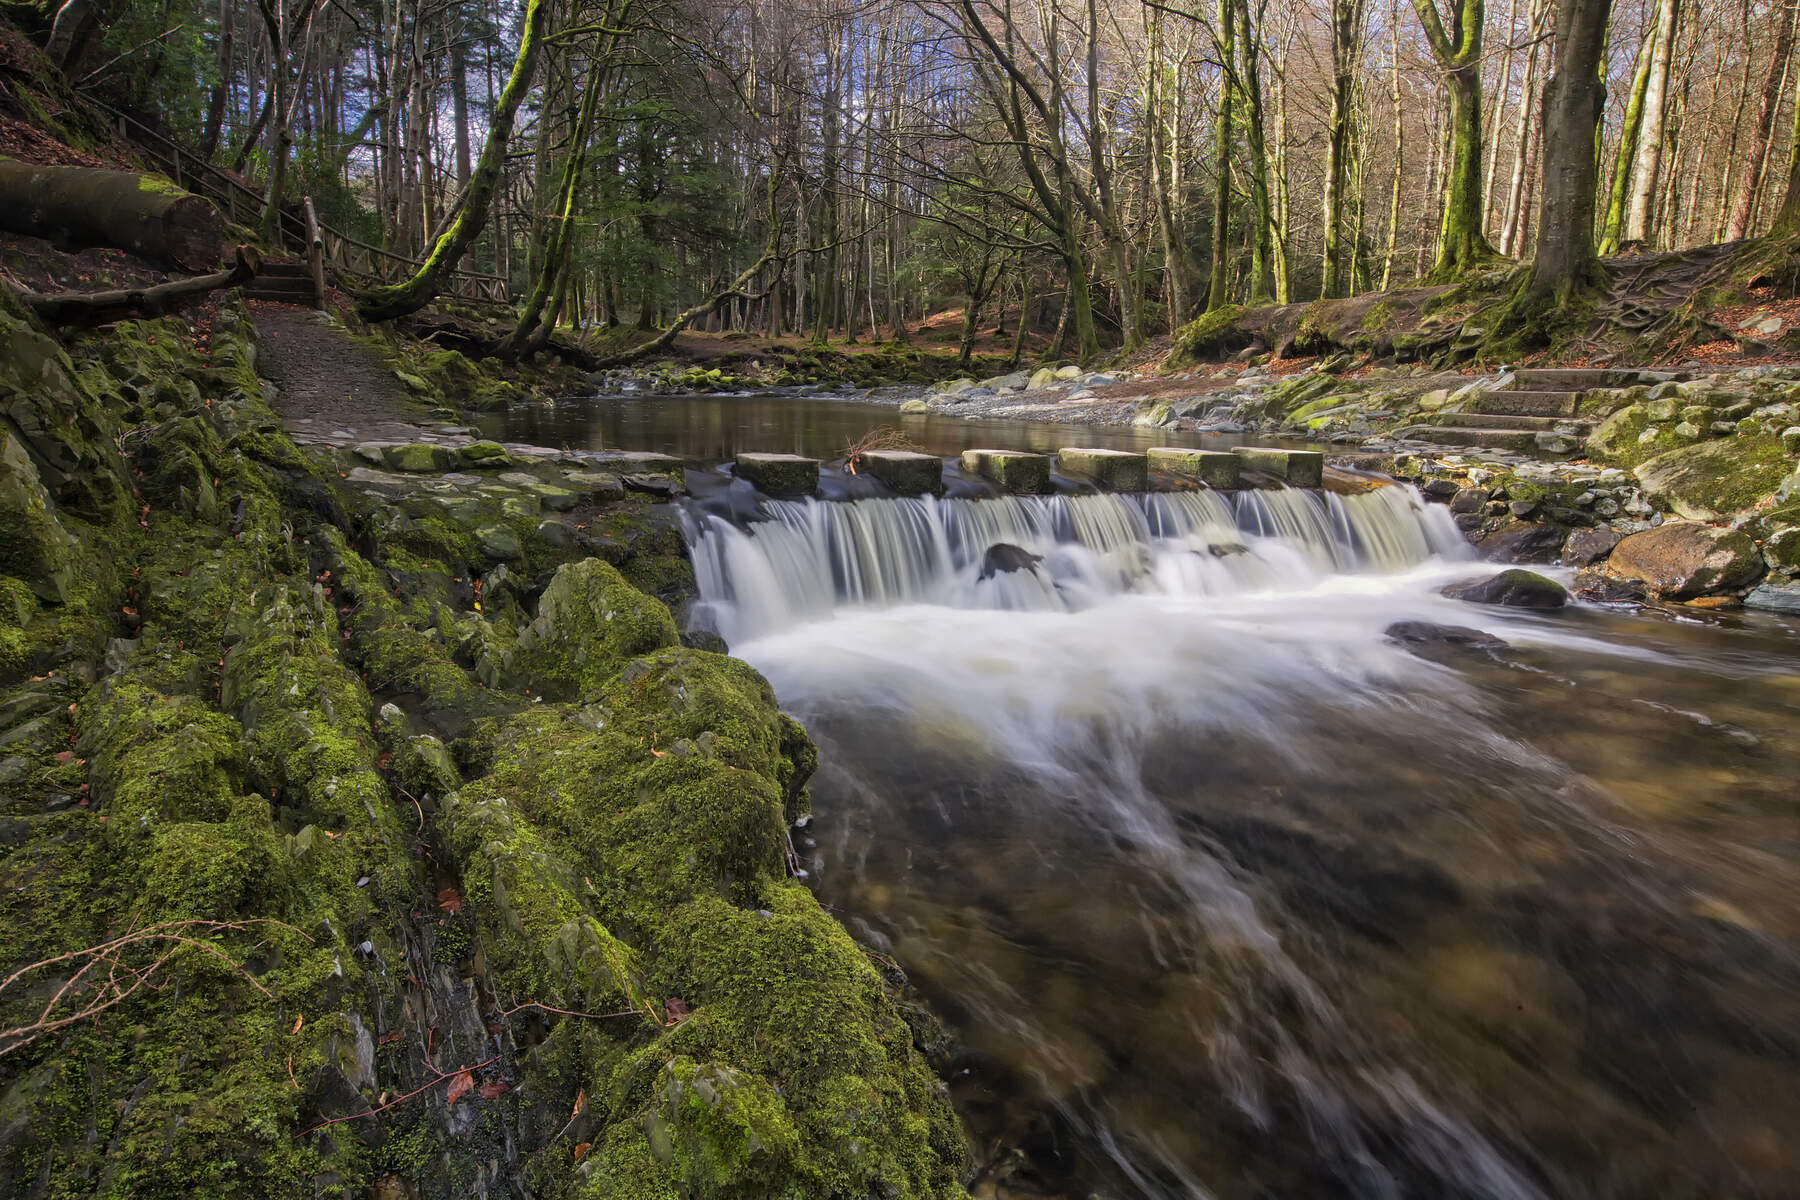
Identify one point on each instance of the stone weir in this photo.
(1028, 473)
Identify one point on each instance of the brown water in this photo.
(714, 428)
(1229, 895)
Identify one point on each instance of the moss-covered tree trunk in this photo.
(1768, 103)
(1462, 240)
(1613, 227)
(397, 300)
(1346, 39)
(1218, 292)
(1262, 242)
(90, 206)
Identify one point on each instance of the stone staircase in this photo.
(1536, 413)
(283, 281)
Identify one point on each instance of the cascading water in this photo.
(813, 557)
(1230, 894)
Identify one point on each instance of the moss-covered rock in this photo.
(589, 623)
(1715, 481)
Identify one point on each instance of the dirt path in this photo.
(329, 387)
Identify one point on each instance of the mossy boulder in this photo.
(589, 623)
(1682, 560)
(1511, 589)
(34, 546)
(1715, 481)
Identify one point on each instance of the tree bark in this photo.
(103, 308)
(1574, 97)
(1462, 241)
(1767, 104)
(89, 206)
(1644, 171)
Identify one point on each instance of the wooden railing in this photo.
(354, 263)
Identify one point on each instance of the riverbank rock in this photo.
(589, 623)
(1776, 598)
(1511, 589)
(1682, 560)
(1714, 481)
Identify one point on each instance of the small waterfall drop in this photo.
(812, 557)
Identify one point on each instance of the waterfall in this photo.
(810, 557)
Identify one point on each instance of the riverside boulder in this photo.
(1682, 560)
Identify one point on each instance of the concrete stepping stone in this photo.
(1296, 468)
(1018, 472)
(779, 474)
(1112, 470)
(905, 472)
(1214, 468)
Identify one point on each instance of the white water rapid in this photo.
(1249, 898)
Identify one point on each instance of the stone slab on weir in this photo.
(1112, 470)
(1019, 472)
(905, 472)
(1214, 468)
(781, 475)
(1296, 468)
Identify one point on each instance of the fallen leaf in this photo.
(490, 1090)
(299, 1020)
(449, 900)
(580, 1102)
(462, 1083)
(677, 1010)
(389, 1038)
(582, 1148)
(65, 757)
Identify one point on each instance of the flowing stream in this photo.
(1231, 893)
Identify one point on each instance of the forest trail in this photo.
(330, 387)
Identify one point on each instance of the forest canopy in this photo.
(1104, 169)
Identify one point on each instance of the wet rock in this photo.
(596, 483)
(1588, 546)
(1296, 468)
(783, 475)
(1523, 542)
(1511, 589)
(1595, 586)
(556, 533)
(1214, 468)
(914, 408)
(1467, 500)
(1680, 560)
(1444, 489)
(1041, 378)
(1427, 633)
(1113, 470)
(905, 472)
(1015, 471)
(1778, 598)
(1003, 558)
(662, 487)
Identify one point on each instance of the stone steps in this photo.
(282, 282)
(1525, 404)
(1481, 420)
(1580, 379)
(1524, 440)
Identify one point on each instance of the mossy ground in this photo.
(260, 699)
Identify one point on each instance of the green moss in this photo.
(1204, 337)
(589, 623)
(1716, 480)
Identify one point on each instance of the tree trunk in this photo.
(1616, 200)
(1767, 105)
(1218, 291)
(1645, 170)
(386, 303)
(1346, 40)
(1462, 239)
(1574, 98)
(89, 206)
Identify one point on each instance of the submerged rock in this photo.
(1427, 633)
(1777, 598)
(1511, 589)
(1681, 560)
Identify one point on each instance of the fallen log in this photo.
(91, 206)
(101, 308)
